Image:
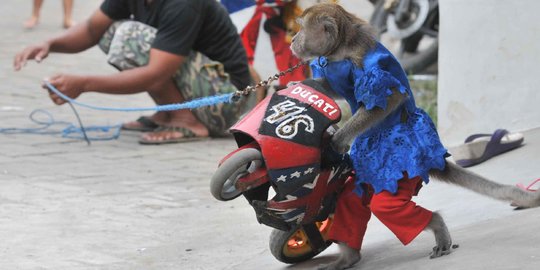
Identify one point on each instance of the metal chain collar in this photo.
(252, 88)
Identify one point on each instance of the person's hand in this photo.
(37, 52)
(69, 85)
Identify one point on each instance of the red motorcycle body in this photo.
(291, 129)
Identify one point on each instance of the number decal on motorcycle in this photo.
(289, 117)
(289, 128)
(283, 110)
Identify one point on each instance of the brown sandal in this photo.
(145, 124)
(187, 136)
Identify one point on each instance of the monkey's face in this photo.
(317, 36)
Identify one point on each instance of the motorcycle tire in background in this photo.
(413, 39)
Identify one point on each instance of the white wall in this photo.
(489, 67)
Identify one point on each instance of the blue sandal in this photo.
(481, 147)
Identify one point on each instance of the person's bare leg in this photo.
(180, 118)
(33, 21)
(68, 11)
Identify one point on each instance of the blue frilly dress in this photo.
(383, 153)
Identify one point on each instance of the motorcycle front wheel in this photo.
(241, 163)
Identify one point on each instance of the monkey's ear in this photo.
(330, 25)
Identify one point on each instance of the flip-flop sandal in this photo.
(188, 136)
(481, 147)
(530, 186)
(146, 124)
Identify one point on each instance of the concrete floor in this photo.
(120, 205)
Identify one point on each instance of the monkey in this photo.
(345, 55)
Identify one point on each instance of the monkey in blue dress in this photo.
(395, 145)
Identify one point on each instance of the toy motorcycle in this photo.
(284, 144)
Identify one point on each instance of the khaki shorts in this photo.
(127, 45)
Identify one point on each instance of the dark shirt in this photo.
(186, 25)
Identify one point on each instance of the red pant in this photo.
(396, 211)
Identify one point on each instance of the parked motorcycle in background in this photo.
(410, 28)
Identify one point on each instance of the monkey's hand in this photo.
(339, 144)
(291, 83)
(363, 120)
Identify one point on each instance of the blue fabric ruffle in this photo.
(413, 147)
(373, 87)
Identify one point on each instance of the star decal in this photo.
(282, 178)
(295, 174)
(309, 170)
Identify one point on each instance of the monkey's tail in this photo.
(456, 175)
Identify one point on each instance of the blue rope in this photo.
(67, 132)
(80, 132)
(196, 103)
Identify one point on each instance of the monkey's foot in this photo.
(344, 262)
(439, 251)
